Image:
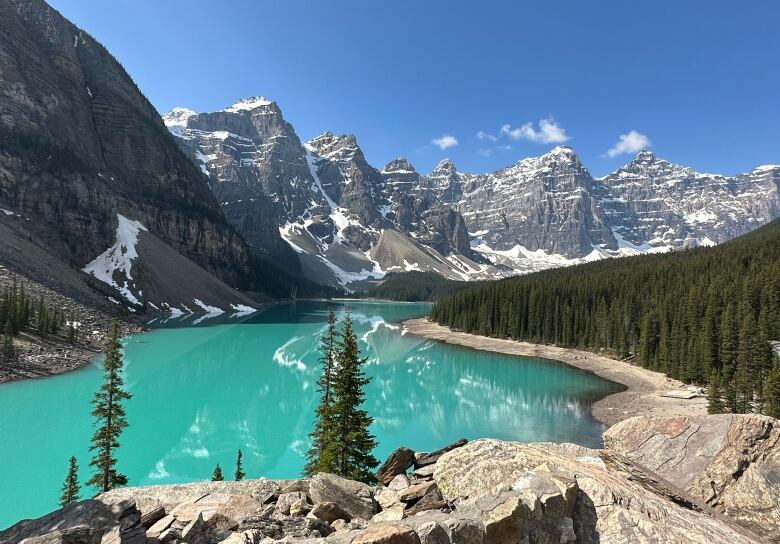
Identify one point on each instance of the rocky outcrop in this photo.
(79, 143)
(486, 491)
(730, 462)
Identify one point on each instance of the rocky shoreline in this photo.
(647, 393)
(41, 357)
(708, 480)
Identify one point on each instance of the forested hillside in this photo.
(415, 287)
(701, 316)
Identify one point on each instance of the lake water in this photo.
(204, 390)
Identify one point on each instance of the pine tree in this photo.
(772, 393)
(714, 394)
(9, 353)
(351, 443)
(217, 475)
(239, 475)
(318, 458)
(71, 487)
(109, 417)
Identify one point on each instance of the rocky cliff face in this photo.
(487, 491)
(80, 143)
(80, 146)
(333, 207)
(322, 196)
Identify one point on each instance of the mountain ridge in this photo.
(536, 213)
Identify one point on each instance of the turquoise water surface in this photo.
(204, 390)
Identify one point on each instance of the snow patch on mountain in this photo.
(178, 117)
(114, 265)
(247, 104)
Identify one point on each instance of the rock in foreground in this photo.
(482, 492)
(731, 462)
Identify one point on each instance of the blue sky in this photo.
(698, 80)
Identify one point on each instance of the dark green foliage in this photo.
(318, 458)
(217, 474)
(239, 474)
(772, 395)
(341, 441)
(350, 443)
(109, 414)
(415, 287)
(71, 487)
(715, 394)
(18, 314)
(697, 315)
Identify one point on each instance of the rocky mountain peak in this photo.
(399, 166)
(335, 146)
(249, 104)
(178, 117)
(444, 168)
(645, 156)
(563, 154)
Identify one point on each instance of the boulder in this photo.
(74, 535)
(464, 531)
(416, 491)
(286, 500)
(117, 522)
(729, 461)
(299, 507)
(397, 463)
(432, 533)
(607, 504)
(424, 472)
(424, 459)
(399, 482)
(387, 534)
(355, 498)
(387, 498)
(393, 513)
(245, 537)
(329, 512)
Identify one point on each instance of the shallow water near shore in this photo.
(201, 391)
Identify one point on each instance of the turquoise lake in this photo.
(201, 391)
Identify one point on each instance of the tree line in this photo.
(20, 312)
(341, 440)
(414, 287)
(704, 316)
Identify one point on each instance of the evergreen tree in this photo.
(714, 394)
(71, 487)
(318, 458)
(772, 394)
(217, 475)
(351, 443)
(109, 416)
(239, 475)
(9, 352)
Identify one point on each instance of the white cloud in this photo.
(445, 141)
(482, 135)
(549, 132)
(485, 152)
(629, 143)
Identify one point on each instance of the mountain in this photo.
(84, 157)
(350, 223)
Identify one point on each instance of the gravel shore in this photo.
(645, 388)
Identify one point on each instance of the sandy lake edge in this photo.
(643, 387)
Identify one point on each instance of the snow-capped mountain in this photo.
(349, 222)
